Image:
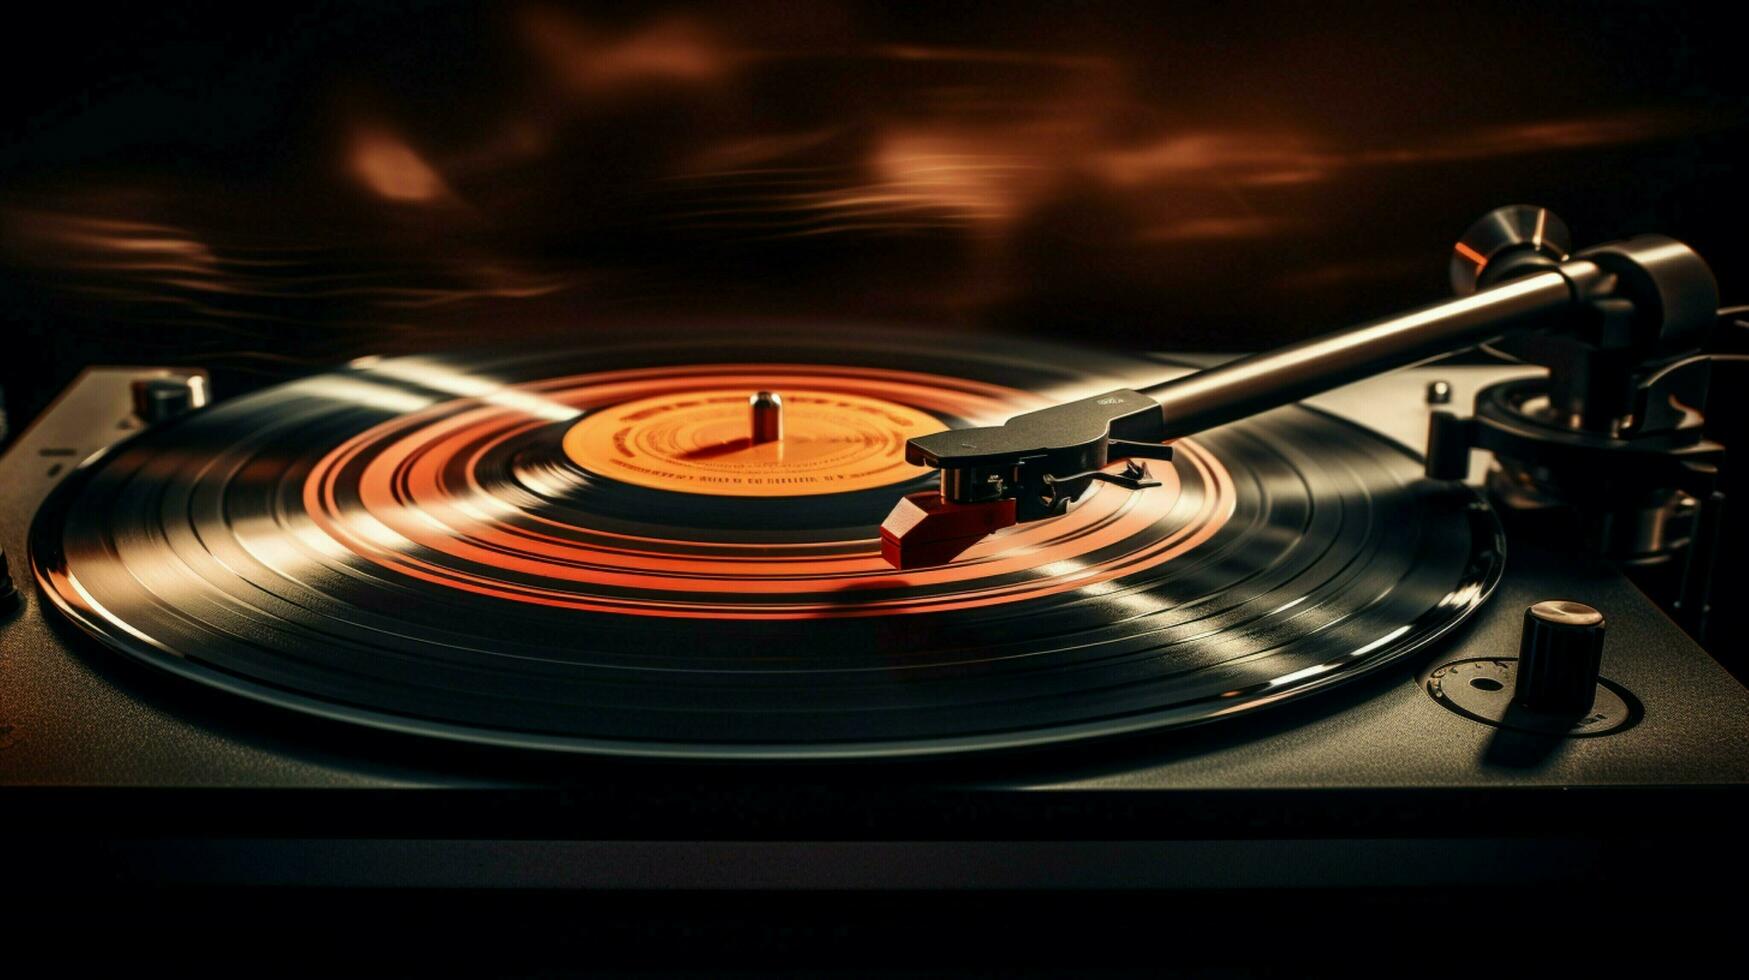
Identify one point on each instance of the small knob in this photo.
(157, 399)
(1559, 657)
(1507, 242)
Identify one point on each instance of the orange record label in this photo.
(702, 442)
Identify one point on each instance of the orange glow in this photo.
(959, 177)
(110, 243)
(1213, 229)
(171, 271)
(1260, 157)
(403, 476)
(390, 168)
(754, 150)
(605, 154)
(1542, 136)
(990, 174)
(1471, 254)
(994, 56)
(674, 49)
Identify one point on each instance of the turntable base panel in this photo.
(88, 740)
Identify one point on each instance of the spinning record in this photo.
(591, 551)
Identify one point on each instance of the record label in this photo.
(698, 442)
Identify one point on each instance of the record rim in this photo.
(1487, 538)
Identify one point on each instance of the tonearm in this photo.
(1613, 324)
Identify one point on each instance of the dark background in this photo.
(266, 189)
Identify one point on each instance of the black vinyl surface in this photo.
(191, 547)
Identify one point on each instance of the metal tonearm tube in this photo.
(1646, 297)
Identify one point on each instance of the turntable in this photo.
(801, 609)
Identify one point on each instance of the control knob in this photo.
(1559, 658)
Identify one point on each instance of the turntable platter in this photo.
(586, 552)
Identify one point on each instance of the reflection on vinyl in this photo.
(589, 552)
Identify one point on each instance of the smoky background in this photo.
(266, 190)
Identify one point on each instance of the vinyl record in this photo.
(586, 551)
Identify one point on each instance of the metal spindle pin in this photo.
(766, 409)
